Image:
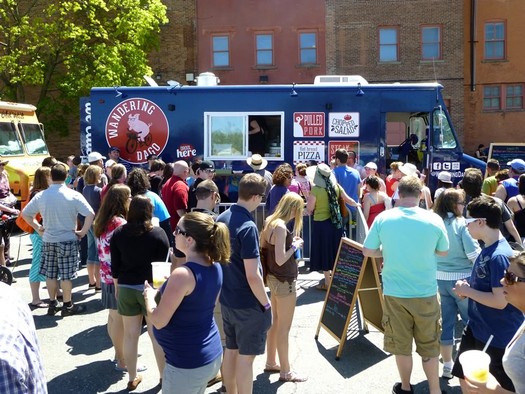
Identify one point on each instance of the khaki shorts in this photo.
(405, 319)
(280, 289)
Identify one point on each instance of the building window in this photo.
(495, 40)
(388, 44)
(431, 43)
(264, 48)
(221, 51)
(491, 98)
(308, 48)
(503, 97)
(514, 97)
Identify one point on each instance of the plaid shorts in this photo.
(59, 258)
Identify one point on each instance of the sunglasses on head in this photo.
(472, 220)
(511, 278)
(178, 231)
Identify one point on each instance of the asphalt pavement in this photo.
(78, 354)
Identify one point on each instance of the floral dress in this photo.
(104, 253)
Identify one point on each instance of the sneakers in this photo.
(398, 390)
(447, 372)
(73, 309)
(54, 308)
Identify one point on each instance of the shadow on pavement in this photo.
(95, 377)
(91, 341)
(422, 387)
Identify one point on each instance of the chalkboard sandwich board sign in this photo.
(353, 277)
(506, 151)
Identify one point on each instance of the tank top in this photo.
(287, 272)
(191, 338)
(519, 220)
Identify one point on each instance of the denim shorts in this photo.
(246, 329)
(59, 258)
(92, 251)
(109, 301)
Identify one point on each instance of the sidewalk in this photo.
(77, 351)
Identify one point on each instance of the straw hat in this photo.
(408, 169)
(257, 162)
(316, 173)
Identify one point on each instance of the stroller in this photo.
(6, 274)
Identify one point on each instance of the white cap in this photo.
(95, 156)
(445, 177)
(371, 165)
(110, 163)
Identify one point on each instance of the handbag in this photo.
(22, 224)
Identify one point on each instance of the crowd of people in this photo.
(231, 294)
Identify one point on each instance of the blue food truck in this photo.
(296, 123)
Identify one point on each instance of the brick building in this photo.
(393, 41)
(494, 72)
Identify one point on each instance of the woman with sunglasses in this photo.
(134, 246)
(279, 245)
(183, 316)
(489, 312)
(514, 358)
(456, 265)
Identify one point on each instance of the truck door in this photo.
(444, 152)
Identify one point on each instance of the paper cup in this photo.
(475, 365)
(161, 270)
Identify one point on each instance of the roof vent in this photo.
(340, 80)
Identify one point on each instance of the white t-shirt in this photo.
(514, 360)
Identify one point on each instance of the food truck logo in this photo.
(139, 128)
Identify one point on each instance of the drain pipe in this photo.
(473, 42)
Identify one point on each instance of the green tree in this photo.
(55, 51)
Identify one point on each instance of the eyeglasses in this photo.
(178, 231)
(511, 278)
(472, 220)
(210, 171)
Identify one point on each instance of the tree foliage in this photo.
(58, 50)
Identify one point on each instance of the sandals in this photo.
(322, 287)
(292, 376)
(276, 368)
(134, 383)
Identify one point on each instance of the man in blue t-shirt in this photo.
(488, 310)
(347, 177)
(245, 305)
(410, 238)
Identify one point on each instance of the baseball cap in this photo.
(517, 164)
(114, 148)
(445, 177)
(206, 165)
(371, 165)
(110, 163)
(95, 156)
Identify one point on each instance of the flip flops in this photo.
(41, 304)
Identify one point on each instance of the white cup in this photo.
(475, 365)
(161, 271)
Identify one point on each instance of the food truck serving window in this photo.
(237, 135)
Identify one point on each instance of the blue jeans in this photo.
(451, 304)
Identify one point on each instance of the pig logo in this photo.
(137, 125)
(139, 128)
